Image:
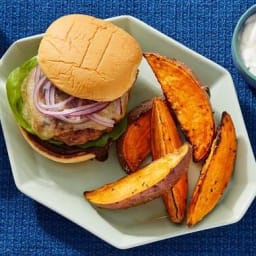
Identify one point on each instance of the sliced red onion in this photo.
(73, 120)
(101, 120)
(38, 85)
(37, 74)
(46, 88)
(45, 107)
(56, 106)
(91, 108)
(80, 102)
(52, 96)
(77, 111)
(79, 114)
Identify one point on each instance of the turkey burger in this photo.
(70, 100)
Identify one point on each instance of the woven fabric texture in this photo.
(28, 228)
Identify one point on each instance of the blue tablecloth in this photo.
(28, 228)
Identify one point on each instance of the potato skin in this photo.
(144, 185)
(188, 101)
(215, 173)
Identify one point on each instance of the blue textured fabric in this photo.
(26, 227)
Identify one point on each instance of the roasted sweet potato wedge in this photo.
(145, 184)
(215, 173)
(133, 146)
(165, 139)
(188, 101)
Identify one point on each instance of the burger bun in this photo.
(89, 58)
(76, 157)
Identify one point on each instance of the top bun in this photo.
(89, 58)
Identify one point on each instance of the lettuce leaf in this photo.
(13, 87)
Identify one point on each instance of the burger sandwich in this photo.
(70, 100)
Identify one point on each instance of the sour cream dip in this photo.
(247, 47)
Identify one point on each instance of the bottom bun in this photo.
(64, 154)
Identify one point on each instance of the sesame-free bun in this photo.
(67, 158)
(89, 58)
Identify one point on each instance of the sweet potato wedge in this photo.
(144, 185)
(133, 146)
(165, 139)
(188, 101)
(215, 173)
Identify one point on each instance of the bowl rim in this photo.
(235, 44)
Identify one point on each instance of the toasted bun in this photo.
(89, 58)
(74, 157)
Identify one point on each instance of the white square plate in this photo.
(60, 187)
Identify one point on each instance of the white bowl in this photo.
(60, 187)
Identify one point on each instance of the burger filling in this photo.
(52, 115)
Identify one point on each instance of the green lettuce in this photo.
(117, 131)
(13, 87)
(113, 135)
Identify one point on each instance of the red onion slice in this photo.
(73, 120)
(75, 115)
(37, 74)
(46, 88)
(56, 106)
(76, 111)
(38, 85)
(92, 108)
(101, 120)
(52, 96)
